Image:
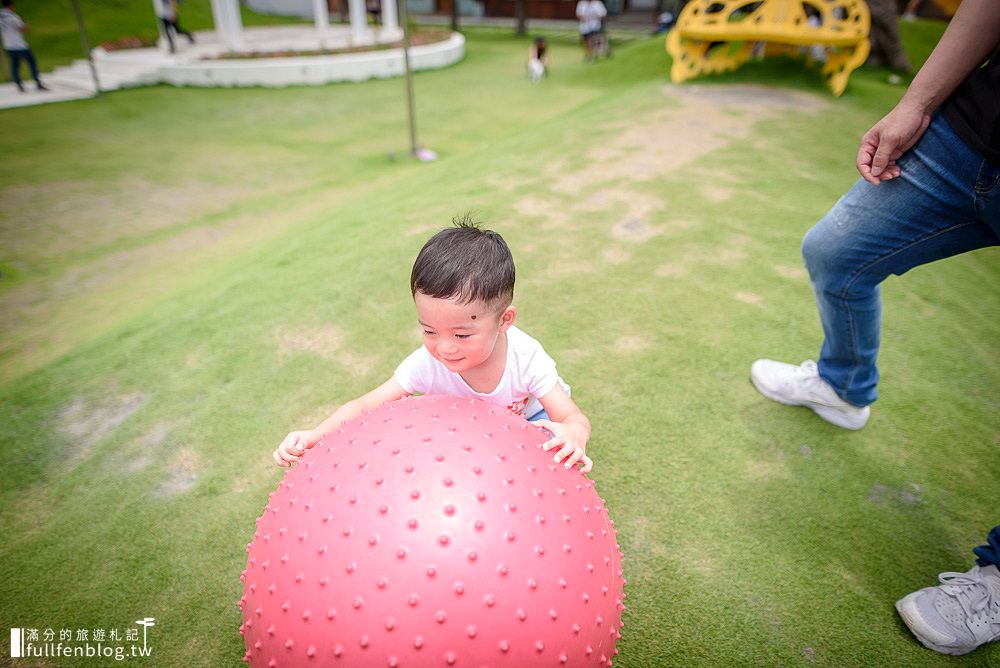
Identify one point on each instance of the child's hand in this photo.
(571, 439)
(293, 447)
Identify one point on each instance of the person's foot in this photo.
(957, 616)
(42, 87)
(801, 386)
(20, 88)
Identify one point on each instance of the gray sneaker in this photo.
(801, 386)
(957, 616)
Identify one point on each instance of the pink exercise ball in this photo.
(433, 531)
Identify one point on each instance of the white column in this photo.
(390, 31)
(360, 32)
(159, 23)
(321, 15)
(228, 23)
(235, 25)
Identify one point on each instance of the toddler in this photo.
(462, 284)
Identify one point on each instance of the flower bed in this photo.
(128, 42)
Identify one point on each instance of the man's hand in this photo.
(571, 441)
(889, 139)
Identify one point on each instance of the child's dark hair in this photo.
(465, 262)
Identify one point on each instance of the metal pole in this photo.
(86, 45)
(409, 76)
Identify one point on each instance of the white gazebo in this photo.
(229, 24)
(322, 53)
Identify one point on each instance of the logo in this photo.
(114, 643)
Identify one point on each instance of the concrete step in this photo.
(111, 78)
(76, 67)
(10, 97)
(131, 68)
(122, 78)
(130, 59)
(72, 82)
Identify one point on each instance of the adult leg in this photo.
(989, 554)
(15, 68)
(181, 31)
(963, 612)
(33, 66)
(931, 211)
(168, 33)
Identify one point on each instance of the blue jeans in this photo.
(16, 56)
(945, 201)
(989, 554)
(540, 415)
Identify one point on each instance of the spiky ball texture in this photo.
(433, 531)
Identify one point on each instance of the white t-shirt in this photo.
(164, 9)
(529, 373)
(592, 12)
(10, 31)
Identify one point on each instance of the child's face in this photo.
(461, 336)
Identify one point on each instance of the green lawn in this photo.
(185, 275)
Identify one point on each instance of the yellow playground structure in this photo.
(720, 35)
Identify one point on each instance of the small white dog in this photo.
(536, 69)
(538, 59)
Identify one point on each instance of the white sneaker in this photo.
(801, 386)
(957, 616)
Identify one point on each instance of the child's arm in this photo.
(297, 442)
(570, 429)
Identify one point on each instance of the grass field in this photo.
(186, 275)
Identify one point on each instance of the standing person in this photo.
(166, 12)
(930, 189)
(12, 30)
(590, 14)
